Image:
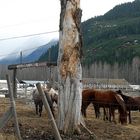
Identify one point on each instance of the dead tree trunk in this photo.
(69, 67)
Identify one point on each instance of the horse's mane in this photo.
(36, 95)
(52, 92)
(125, 97)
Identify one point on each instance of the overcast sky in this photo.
(26, 17)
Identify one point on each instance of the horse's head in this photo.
(125, 97)
(119, 91)
(53, 94)
(122, 116)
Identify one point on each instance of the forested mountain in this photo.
(113, 37)
(51, 54)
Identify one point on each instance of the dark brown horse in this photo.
(106, 99)
(132, 103)
(137, 99)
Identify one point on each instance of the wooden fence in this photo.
(11, 112)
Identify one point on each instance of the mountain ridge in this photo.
(29, 57)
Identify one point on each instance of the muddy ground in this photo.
(33, 127)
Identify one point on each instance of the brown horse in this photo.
(87, 98)
(106, 99)
(132, 103)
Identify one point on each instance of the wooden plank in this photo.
(28, 65)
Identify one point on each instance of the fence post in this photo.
(47, 107)
(13, 107)
(14, 83)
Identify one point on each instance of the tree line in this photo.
(128, 71)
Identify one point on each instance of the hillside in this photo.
(113, 37)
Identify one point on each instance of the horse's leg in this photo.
(107, 113)
(83, 110)
(52, 109)
(110, 111)
(36, 107)
(123, 116)
(50, 101)
(97, 111)
(103, 113)
(119, 119)
(104, 116)
(84, 107)
(40, 108)
(113, 115)
(129, 115)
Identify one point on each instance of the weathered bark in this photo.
(69, 67)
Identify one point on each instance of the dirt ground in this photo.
(33, 127)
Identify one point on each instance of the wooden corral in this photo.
(106, 83)
(27, 65)
(23, 66)
(3, 88)
(3, 84)
(11, 112)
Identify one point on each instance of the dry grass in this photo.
(34, 128)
